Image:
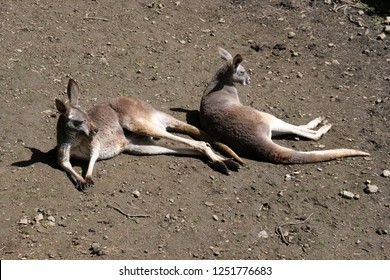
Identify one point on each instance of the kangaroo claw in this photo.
(221, 167)
(232, 164)
(82, 186)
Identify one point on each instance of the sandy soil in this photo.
(165, 52)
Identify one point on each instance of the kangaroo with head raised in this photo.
(129, 125)
(248, 131)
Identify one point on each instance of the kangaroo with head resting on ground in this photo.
(129, 125)
(248, 131)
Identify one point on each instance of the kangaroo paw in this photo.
(314, 123)
(82, 186)
(221, 167)
(232, 165)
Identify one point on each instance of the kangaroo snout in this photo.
(93, 131)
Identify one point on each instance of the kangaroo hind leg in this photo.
(156, 128)
(146, 145)
(314, 123)
(280, 127)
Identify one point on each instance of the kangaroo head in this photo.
(78, 120)
(239, 73)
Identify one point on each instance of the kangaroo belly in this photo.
(112, 146)
(108, 146)
(237, 126)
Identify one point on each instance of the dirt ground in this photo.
(306, 59)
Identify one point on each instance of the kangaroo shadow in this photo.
(49, 158)
(192, 116)
(377, 7)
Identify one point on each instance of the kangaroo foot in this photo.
(220, 166)
(82, 186)
(232, 164)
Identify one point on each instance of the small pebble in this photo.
(95, 249)
(381, 231)
(38, 217)
(216, 252)
(347, 194)
(23, 221)
(95, 246)
(50, 223)
(47, 112)
(51, 219)
(294, 54)
(136, 194)
(215, 218)
(262, 234)
(386, 173)
(291, 35)
(381, 36)
(208, 203)
(371, 188)
(335, 62)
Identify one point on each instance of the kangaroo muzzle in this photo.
(93, 131)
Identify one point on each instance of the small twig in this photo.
(358, 23)
(337, 8)
(129, 216)
(279, 228)
(94, 18)
(2, 249)
(365, 250)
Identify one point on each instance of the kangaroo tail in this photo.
(273, 152)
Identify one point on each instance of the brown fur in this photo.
(129, 125)
(248, 131)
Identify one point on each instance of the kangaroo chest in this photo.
(106, 147)
(81, 149)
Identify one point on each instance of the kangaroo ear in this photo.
(237, 60)
(61, 106)
(73, 92)
(225, 55)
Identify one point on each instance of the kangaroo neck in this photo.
(222, 82)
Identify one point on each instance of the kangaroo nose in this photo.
(94, 131)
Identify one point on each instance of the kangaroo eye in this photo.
(77, 123)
